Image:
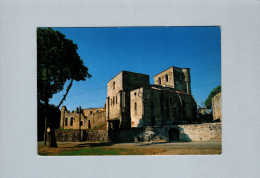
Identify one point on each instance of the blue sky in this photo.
(148, 50)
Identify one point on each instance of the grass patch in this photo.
(95, 151)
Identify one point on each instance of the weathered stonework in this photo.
(133, 102)
(216, 107)
(200, 132)
(89, 118)
(138, 111)
(86, 135)
(118, 96)
(174, 77)
(186, 133)
(156, 106)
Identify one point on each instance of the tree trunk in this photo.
(52, 138)
(46, 120)
(51, 131)
(67, 91)
(45, 130)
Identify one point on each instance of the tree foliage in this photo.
(211, 95)
(57, 62)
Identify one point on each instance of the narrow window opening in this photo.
(166, 77)
(81, 123)
(89, 125)
(71, 121)
(66, 121)
(114, 85)
(159, 81)
(116, 99)
(135, 108)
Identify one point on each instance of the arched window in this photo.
(113, 100)
(135, 106)
(114, 85)
(71, 121)
(166, 78)
(159, 81)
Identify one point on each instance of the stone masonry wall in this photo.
(200, 132)
(186, 133)
(216, 107)
(156, 107)
(89, 118)
(86, 135)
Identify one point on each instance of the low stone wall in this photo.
(155, 134)
(96, 135)
(200, 132)
(129, 135)
(86, 135)
(189, 132)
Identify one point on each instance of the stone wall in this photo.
(157, 106)
(160, 79)
(86, 135)
(118, 95)
(89, 118)
(129, 135)
(187, 133)
(155, 134)
(200, 132)
(216, 107)
(174, 77)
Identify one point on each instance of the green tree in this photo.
(211, 95)
(57, 62)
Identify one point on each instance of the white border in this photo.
(239, 21)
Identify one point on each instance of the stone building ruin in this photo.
(86, 119)
(133, 102)
(136, 110)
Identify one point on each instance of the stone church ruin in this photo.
(136, 110)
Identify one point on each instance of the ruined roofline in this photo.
(169, 68)
(81, 109)
(126, 72)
